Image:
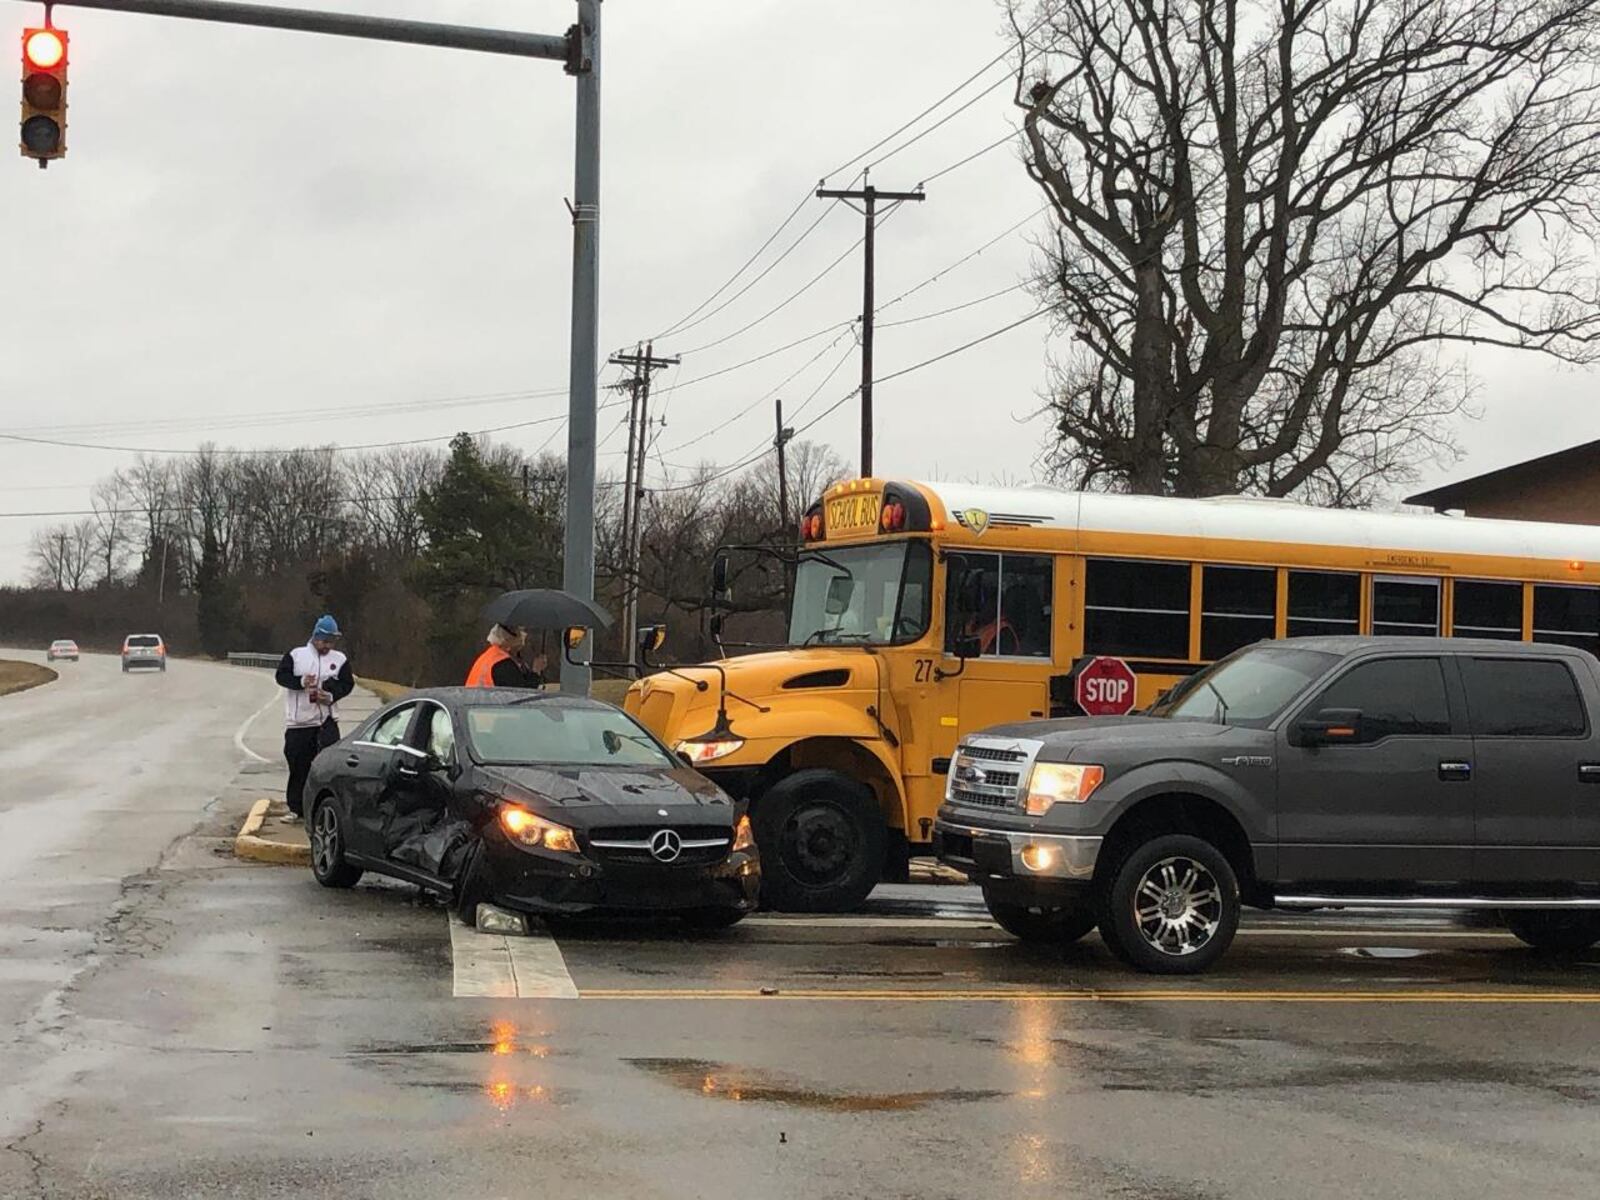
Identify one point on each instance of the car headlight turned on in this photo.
(743, 838)
(529, 829)
(1060, 783)
(700, 753)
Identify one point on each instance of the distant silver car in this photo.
(62, 648)
(144, 651)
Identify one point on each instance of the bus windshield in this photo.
(862, 595)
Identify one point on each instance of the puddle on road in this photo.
(1384, 951)
(720, 1081)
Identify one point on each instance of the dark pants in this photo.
(300, 747)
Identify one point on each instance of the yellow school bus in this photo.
(925, 611)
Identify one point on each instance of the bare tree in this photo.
(64, 556)
(1276, 224)
(113, 526)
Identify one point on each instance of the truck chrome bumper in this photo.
(1009, 853)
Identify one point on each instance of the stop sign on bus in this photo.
(1105, 687)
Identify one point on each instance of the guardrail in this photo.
(241, 658)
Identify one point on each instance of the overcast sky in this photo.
(251, 223)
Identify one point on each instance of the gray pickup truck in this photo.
(1311, 773)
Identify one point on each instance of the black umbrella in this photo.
(545, 608)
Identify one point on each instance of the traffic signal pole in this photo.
(579, 50)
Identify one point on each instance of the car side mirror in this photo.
(1331, 727)
(432, 764)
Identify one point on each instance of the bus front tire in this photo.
(822, 842)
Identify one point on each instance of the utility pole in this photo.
(779, 441)
(644, 363)
(869, 196)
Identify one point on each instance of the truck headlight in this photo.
(1060, 783)
(704, 752)
(530, 829)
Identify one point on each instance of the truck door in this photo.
(1537, 754)
(1396, 803)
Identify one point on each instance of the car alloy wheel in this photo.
(1177, 906)
(326, 852)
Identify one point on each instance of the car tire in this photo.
(328, 862)
(708, 920)
(1190, 908)
(822, 841)
(1049, 924)
(1555, 931)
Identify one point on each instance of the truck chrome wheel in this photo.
(1177, 906)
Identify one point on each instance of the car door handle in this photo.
(352, 760)
(408, 772)
(1589, 772)
(1454, 771)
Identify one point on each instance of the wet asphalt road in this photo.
(187, 1025)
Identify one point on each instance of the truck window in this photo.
(1397, 697)
(1006, 601)
(1323, 604)
(1488, 610)
(1238, 606)
(1513, 697)
(1568, 616)
(1136, 609)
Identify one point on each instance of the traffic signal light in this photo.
(44, 94)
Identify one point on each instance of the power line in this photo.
(940, 123)
(976, 154)
(944, 312)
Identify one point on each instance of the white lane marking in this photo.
(238, 734)
(489, 964)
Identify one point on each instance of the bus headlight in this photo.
(1060, 783)
(700, 753)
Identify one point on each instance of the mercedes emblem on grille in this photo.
(666, 845)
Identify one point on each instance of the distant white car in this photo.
(62, 648)
(144, 650)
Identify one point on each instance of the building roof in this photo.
(1463, 492)
(1242, 518)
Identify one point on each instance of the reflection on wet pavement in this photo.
(724, 1082)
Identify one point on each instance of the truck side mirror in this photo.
(1330, 727)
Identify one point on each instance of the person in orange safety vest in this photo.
(500, 664)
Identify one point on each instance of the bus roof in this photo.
(1252, 519)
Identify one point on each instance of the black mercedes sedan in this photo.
(535, 802)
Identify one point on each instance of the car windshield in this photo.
(144, 640)
(1249, 688)
(861, 595)
(559, 735)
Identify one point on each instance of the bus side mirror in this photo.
(970, 646)
(719, 574)
(571, 638)
(715, 626)
(651, 639)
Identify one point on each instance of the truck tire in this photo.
(1170, 905)
(1557, 931)
(821, 838)
(1059, 925)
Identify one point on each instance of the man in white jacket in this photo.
(314, 678)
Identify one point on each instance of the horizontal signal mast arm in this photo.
(381, 29)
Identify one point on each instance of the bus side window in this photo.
(972, 599)
(1026, 602)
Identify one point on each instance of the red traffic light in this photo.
(44, 48)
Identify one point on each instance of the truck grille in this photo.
(963, 795)
(994, 754)
(990, 772)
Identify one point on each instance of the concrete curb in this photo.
(259, 849)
